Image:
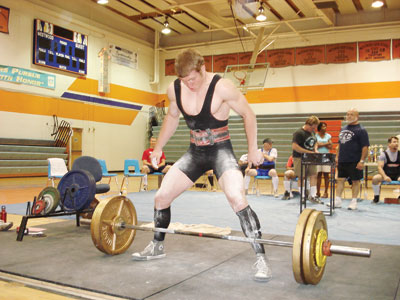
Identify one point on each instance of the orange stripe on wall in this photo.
(351, 91)
(90, 86)
(47, 106)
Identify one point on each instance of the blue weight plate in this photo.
(77, 189)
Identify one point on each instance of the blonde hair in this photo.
(187, 61)
(313, 120)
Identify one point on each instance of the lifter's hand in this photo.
(255, 158)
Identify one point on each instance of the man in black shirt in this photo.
(351, 154)
(305, 141)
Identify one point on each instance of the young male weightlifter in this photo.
(205, 100)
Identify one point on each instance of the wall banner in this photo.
(374, 50)
(280, 58)
(310, 55)
(4, 16)
(27, 77)
(221, 61)
(169, 67)
(124, 57)
(341, 53)
(396, 49)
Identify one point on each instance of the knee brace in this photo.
(162, 219)
(251, 227)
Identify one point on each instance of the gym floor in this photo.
(194, 269)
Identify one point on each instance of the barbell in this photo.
(114, 224)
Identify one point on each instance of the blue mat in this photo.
(371, 223)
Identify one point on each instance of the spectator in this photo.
(267, 168)
(388, 166)
(324, 143)
(351, 154)
(148, 168)
(305, 141)
(289, 181)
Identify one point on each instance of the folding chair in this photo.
(135, 164)
(105, 173)
(256, 183)
(56, 169)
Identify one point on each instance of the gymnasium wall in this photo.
(114, 133)
(109, 131)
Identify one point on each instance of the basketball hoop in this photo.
(240, 75)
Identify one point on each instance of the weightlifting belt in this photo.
(209, 136)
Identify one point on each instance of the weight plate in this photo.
(51, 196)
(107, 235)
(38, 207)
(312, 272)
(297, 254)
(77, 189)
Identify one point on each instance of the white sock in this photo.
(246, 182)
(313, 191)
(295, 185)
(275, 182)
(376, 189)
(145, 179)
(286, 185)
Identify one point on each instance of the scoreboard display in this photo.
(59, 48)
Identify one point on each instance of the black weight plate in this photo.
(51, 196)
(77, 189)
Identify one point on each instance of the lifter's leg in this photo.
(231, 183)
(175, 182)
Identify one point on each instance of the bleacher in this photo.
(27, 157)
(380, 125)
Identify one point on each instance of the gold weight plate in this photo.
(297, 257)
(312, 273)
(107, 235)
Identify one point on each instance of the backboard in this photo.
(247, 76)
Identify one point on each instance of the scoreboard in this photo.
(59, 48)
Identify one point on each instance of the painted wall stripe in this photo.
(92, 99)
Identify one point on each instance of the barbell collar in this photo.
(352, 251)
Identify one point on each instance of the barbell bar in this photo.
(114, 225)
(333, 249)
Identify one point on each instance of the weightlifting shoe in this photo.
(352, 205)
(376, 199)
(154, 250)
(286, 196)
(263, 270)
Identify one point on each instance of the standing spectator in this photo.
(351, 154)
(305, 141)
(324, 143)
(267, 168)
(388, 166)
(148, 168)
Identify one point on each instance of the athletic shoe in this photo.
(276, 195)
(338, 203)
(263, 270)
(376, 199)
(154, 250)
(352, 205)
(286, 196)
(315, 200)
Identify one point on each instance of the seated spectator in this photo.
(388, 166)
(267, 168)
(148, 168)
(289, 182)
(324, 144)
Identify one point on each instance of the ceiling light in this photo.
(261, 16)
(377, 3)
(102, 1)
(166, 29)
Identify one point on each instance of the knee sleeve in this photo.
(251, 227)
(162, 219)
